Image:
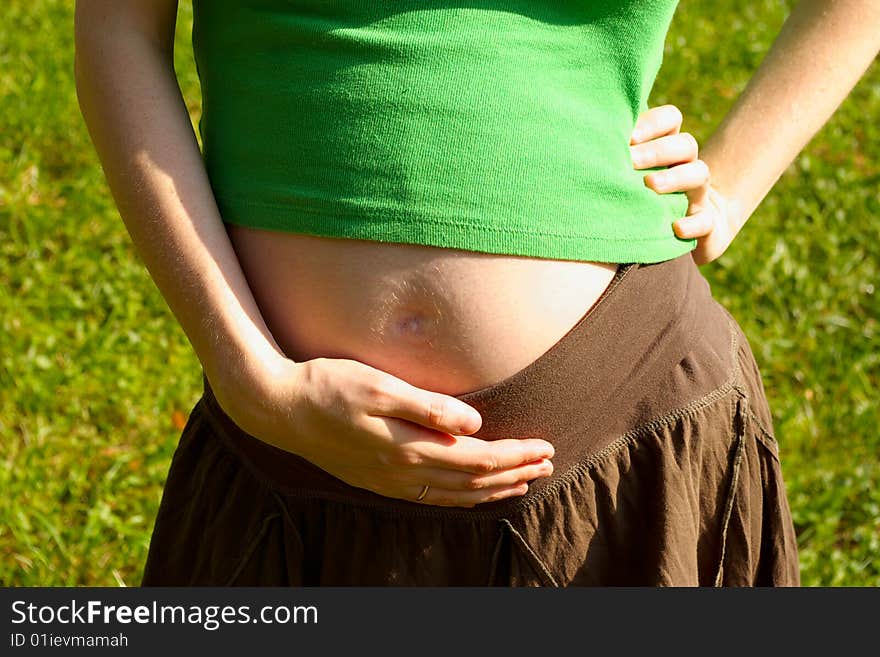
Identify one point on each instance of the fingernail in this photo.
(659, 180)
(681, 228)
(637, 135)
(636, 157)
(467, 427)
(469, 421)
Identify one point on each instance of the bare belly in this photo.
(445, 320)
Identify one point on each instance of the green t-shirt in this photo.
(493, 126)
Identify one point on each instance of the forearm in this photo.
(822, 50)
(133, 108)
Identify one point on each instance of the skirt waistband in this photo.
(654, 342)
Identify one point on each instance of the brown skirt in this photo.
(666, 473)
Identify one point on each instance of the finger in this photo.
(481, 456)
(695, 225)
(395, 397)
(656, 122)
(680, 178)
(445, 497)
(697, 199)
(665, 151)
(459, 481)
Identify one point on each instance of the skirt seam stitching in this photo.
(628, 438)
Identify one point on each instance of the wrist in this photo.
(730, 190)
(735, 209)
(253, 387)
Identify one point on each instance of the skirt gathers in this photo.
(666, 473)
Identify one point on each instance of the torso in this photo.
(444, 320)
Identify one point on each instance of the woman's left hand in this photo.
(657, 141)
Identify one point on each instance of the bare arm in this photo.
(822, 50)
(362, 425)
(132, 105)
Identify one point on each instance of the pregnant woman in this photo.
(451, 332)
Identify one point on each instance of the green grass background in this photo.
(96, 377)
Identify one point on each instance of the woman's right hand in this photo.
(375, 431)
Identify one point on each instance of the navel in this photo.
(414, 325)
(410, 310)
